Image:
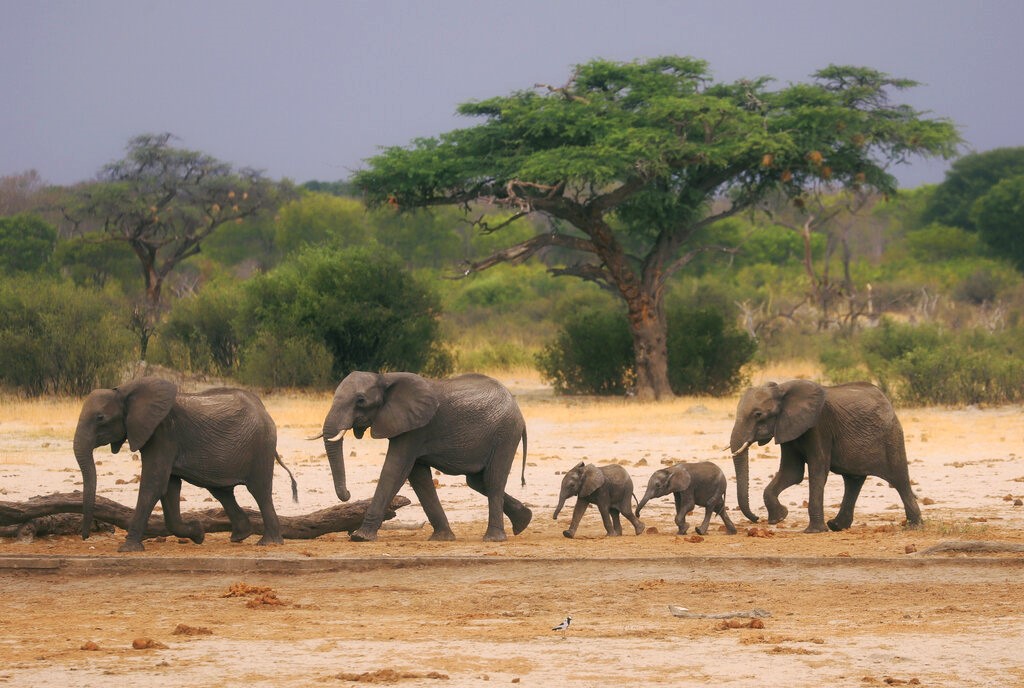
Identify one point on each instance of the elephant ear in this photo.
(680, 480)
(146, 402)
(409, 403)
(800, 407)
(593, 478)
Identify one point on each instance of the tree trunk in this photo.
(649, 328)
(334, 519)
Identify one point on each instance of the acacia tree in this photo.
(163, 202)
(631, 161)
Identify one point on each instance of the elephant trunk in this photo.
(643, 502)
(83, 446)
(739, 443)
(334, 427)
(561, 502)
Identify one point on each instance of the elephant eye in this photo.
(100, 418)
(361, 400)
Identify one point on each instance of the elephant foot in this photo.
(777, 515)
(835, 525)
(363, 536)
(701, 531)
(495, 536)
(569, 534)
(267, 540)
(131, 546)
(198, 537)
(521, 520)
(682, 530)
(442, 536)
(816, 528)
(241, 534)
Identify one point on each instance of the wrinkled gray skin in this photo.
(608, 487)
(467, 425)
(692, 485)
(215, 439)
(850, 429)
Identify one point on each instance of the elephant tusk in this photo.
(338, 437)
(742, 449)
(315, 437)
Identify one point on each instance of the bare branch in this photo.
(514, 255)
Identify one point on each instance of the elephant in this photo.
(691, 484)
(215, 439)
(609, 487)
(467, 425)
(848, 429)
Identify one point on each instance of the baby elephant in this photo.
(609, 487)
(692, 484)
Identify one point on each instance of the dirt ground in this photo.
(868, 606)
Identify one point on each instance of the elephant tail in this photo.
(523, 476)
(295, 485)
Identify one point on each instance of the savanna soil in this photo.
(865, 607)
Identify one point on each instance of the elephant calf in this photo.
(609, 487)
(692, 484)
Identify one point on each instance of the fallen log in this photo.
(345, 517)
(973, 546)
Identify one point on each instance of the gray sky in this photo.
(307, 89)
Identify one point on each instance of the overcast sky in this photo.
(307, 89)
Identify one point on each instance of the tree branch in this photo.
(514, 255)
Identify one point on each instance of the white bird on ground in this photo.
(564, 625)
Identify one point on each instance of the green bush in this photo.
(705, 354)
(925, 365)
(271, 363)
(56, 338)
(592, 354)
(361, 304)
(27, 243)
(200, 333)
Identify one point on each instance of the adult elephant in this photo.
(849, 429)
(215, 439)
(467, 425)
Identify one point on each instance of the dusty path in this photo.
(859, 608)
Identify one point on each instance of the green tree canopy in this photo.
(644, 155)
(970, 178)
(998, 216)
(27, 243)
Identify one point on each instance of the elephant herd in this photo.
(471, 425)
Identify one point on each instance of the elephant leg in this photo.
(791, 472)
(577, 515)
(152, 485)
(817, 474)
(910, 506)
(627, 510)
(423, 485)
(616, 520)
(518, 513)
(241, 526)
(271, 523)
(684, 505)
(851, 490)
(608, 519)
(393, 475)
(702, 529)
(171, 501)
(730, 527)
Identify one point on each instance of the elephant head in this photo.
(580, 481)
(389, 404)
(130, 412)
(663, 482)
(781, 411)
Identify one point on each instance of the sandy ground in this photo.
(862, 607)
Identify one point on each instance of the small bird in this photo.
(564, 625)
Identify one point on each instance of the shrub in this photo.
(56, 338)
(360, 304)
(705, 355)
(592, 354)
(272, 363)
(27, 243)
(924, 365)
(200, 333)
